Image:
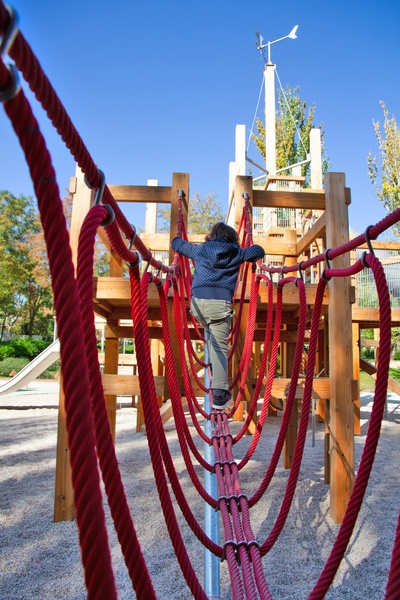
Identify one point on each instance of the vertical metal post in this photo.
(211, 562)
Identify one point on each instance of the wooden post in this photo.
(288, 352)
(180, 181)
(64, 494)
(356, 377)
(111, 350)
(341, 418)
(243, 184)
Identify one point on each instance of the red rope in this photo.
(261, 372)
(372, 438)
(88, 501)
(149, 398)
(305, 411)
(393, 585)
(117, 501)
(247, 349)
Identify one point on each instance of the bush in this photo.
(22, 348)
(9, 365)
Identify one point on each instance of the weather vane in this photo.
(261, 46)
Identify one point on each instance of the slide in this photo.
(32, 370)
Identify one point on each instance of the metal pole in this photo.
(211, 562)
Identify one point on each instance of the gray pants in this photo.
(215, 316)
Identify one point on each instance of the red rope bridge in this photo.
(89, 437)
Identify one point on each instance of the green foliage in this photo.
(22, 348)
(292, 118)
(12, 365)
(367, 383)
(394, 374)
(25, 292)
(15, 365)
(204, 212)
(385, 172)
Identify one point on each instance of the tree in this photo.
(25, 297)
(37, 313)
(17, 217)
(291, 118)
(385, 172)
(204, 212)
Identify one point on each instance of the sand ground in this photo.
(40, 559)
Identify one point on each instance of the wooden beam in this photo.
(141, 193)
(161, 241)
(280, 388)
(369, 317)
(128, 385)
(313, 199)
(312, 234)
(393, 385)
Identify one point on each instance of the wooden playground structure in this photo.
(336, 387)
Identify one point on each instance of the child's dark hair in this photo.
(224, 231)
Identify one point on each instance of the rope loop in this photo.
(133, 265)
(110, 218)
(8, 37)
(13, 87)
(133, 236)
(364, 259)
(368, 240)
(100, 190)
(148, 262)
(328, 266)
(228, 543)
(300, 271)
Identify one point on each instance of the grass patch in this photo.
(367, 383)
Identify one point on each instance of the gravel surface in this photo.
(41, 559)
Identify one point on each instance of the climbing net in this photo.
(89, 436)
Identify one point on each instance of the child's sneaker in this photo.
(221, 398)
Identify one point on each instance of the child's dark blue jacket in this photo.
(217, 265)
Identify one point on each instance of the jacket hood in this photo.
(226, 254)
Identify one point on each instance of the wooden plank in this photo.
(312, 234)
(314, 200)
(128, 385)
(141, 193)
(393, 385)
(276, 246)
(280, 388)
(161, 241)
(382, 246)
(367, 367)
(370, 316)
(117, 289)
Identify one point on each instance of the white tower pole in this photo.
(270, 126)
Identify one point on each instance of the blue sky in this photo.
(158, 86)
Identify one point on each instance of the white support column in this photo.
(240, 149)
(316, 158)
(270, 129)
(151, 211)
